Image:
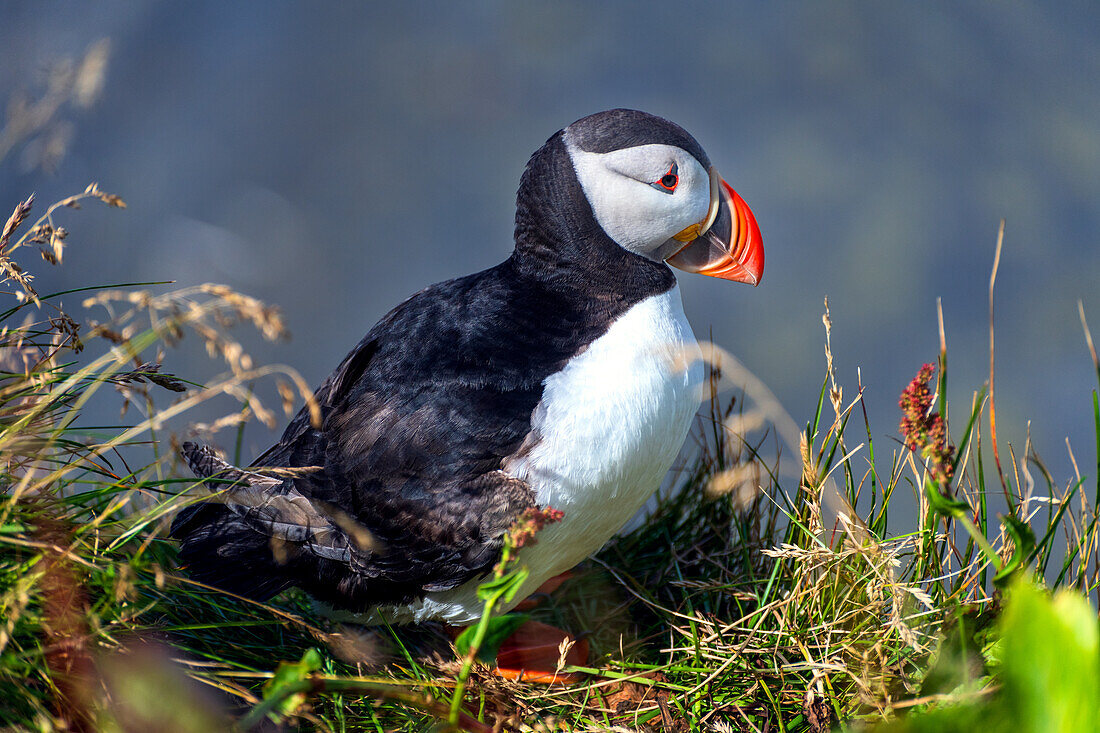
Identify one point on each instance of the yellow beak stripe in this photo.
(697, 230)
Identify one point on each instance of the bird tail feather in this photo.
(251, 536)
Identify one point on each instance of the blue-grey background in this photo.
(335, 157)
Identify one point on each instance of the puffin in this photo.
(565, 377)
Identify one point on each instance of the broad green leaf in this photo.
(1023, 541)
(504, 587)
(941, 504)
(289, 673)
(500, 628)
(1051, 653)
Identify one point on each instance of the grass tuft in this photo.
(769, 589)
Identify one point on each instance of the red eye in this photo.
(668, 181)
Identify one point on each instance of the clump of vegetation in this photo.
(765, 591)
(81, 562)
(1037, 672)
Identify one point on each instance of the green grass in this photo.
(771, 589)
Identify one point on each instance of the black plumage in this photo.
(616, 129)
(419, 418)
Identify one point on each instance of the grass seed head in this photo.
(523, 530)
(924, 430)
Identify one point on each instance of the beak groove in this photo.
(731, 248)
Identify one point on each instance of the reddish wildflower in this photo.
(523, 530)
(924, 430)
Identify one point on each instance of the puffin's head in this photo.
(654, 192)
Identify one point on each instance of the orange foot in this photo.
(532, 652)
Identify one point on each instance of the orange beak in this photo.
(731, 247)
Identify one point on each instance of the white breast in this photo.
(608, 427)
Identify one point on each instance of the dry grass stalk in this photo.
(38, 122)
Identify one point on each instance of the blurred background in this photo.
(333, 158)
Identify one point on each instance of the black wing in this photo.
(417, 421)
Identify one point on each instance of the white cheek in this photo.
(638, 217)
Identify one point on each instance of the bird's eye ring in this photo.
(668, 182)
